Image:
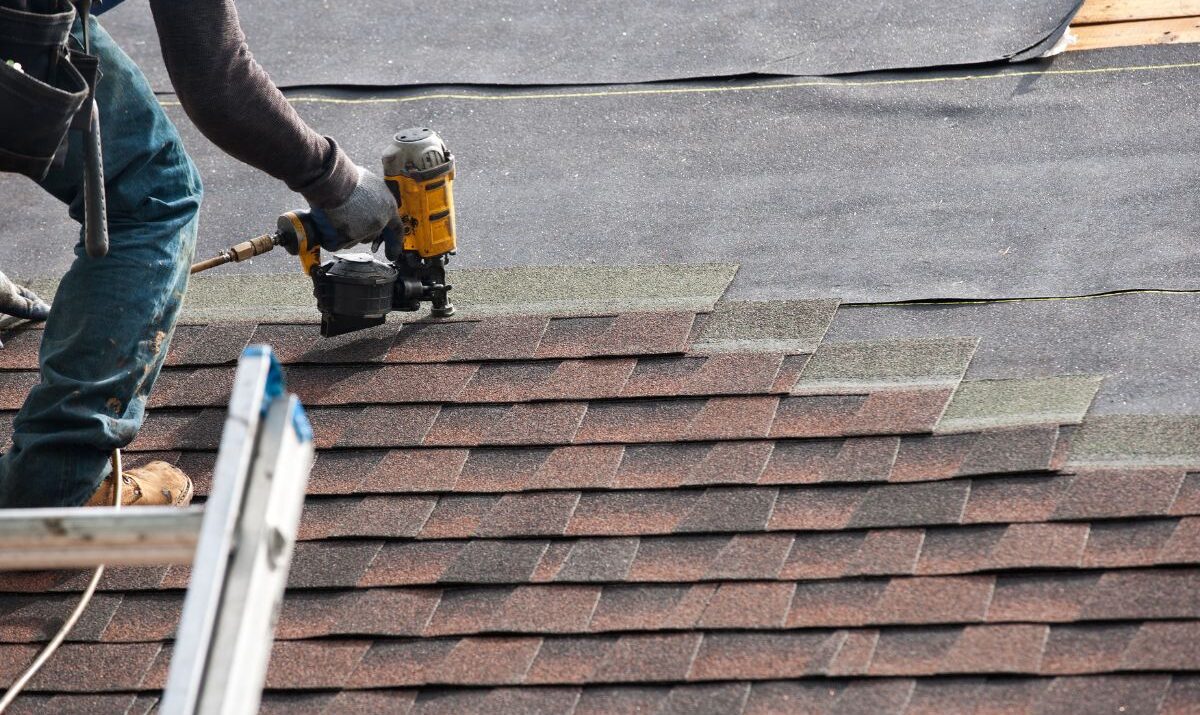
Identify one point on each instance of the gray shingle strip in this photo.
(983, 404)
(478, 292)
(1172, 440)
(865, 366)
(787, 326)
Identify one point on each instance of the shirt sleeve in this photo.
(232, 101)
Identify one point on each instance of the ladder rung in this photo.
(89, 536)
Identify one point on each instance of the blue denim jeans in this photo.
(113, 317)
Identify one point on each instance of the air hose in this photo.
(47, 651)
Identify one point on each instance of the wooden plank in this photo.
(1097, 11)
(1145, 32)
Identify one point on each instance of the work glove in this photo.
(368, 214)
(20, 302)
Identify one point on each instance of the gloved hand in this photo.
(368, 214)
(20, 302)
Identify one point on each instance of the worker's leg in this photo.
(112, 317)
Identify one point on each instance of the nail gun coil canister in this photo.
(353, 291)
(420, 171)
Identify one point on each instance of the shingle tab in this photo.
(791, 326)
(867, 366)
(980, 404)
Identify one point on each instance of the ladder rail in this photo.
(217, 535)
(245, 630)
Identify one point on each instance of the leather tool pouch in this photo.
(40, 101)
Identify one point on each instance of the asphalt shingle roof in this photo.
(665, 512)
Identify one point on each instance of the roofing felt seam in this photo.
(747, 86)
(621, 42)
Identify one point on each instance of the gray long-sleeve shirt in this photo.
(233, 102)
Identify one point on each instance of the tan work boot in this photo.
(155, 484)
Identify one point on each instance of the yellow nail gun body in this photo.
(356, 291)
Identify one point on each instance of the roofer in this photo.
(107, 333)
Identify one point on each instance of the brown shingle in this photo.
(405, 383)
(653, 466)
(748, 605)
(765, 655)
(21, 346)
(622, 700)
(548, 380)
(730, 463)
(466, 611)
(501, 338)
(568, 660)
(815, 509)
(386, 611)
(495, 562)
(1040, 545)
(365, 516)
(543, 513)
(640, 421)
(408, 563)
(1164, 646)
(887, 551)
(665, 657)
(207, 344)
(751, 556)
(399, 663)
(104, 667)
(578, 467)
(1132, 543)
(458, 516)
(1112, 493)
(855, 459)
(499, 470)
(912, 504)
(538, 423)
(650, 607)
(676, 558)
(1041, 599)
(624, 334)
(729, 509)
(416, 470)
(631, 513)
(429, 342)
(392, 426)
(719, 374)
(598, 560)
(997, 451)
(1089, 648)
(547, 609)
(734, 418)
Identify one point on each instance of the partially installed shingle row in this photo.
(1145, 693)
(705, 513)
(1051, 596)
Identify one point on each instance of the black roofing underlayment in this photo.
(1060, 177)
(382, 43)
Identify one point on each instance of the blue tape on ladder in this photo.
(301, 424)
(275, 381)
(274, 389)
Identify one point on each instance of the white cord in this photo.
(12, 693)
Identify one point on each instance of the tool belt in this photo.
(47, 83)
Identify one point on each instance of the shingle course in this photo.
(594, 514)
